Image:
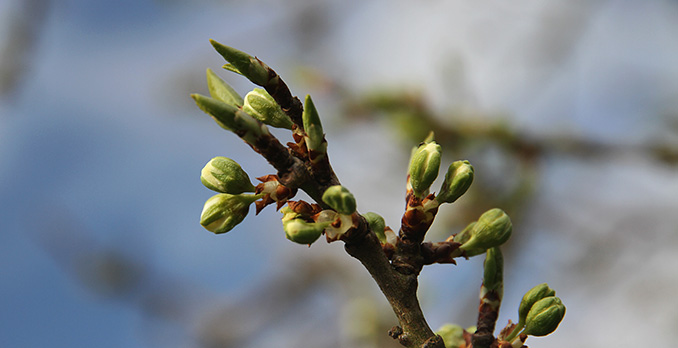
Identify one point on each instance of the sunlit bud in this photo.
(531, 297)
(241, 62)
(302, 232)
(453, 335)
(377, 225)
(492, 229)
(225, 175)
(424, 167)
(231, 118)
(224, 211)
(493, 274)
(458, 178)
(220, 90)
(260, 105)
(340, 199)
(315, 138)
(544, 316)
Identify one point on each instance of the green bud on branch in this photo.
(260, 105)
(530, 298)
(231, 118)
(224, 211)
(314, 138)
(544, 316)
(377, 225)
(220, 90)
(340, 199)
(302, 232)
(493, 273)
(225, 175)
(458, 179)
(424, 167)
(492, 229)
(241, 62)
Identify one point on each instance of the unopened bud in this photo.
(453, 335)
(493, 273)
(260, 105)
(544, 316)
(424, 167)
(225, 175)
(224, 211)
(531, 297)
(458, 179)
(492, 229)
(340, 199)
(315, 138)
(377, 225)
(241, 62)
(220, 90)
(302, 232)
(231, 118)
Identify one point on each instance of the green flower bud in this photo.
(453, 335)
(492, 229)
(377, 225)
(315, 138)
(544, 316)
(225, 175)
(231, 118)
(302, 232)
(260, 105)
(224, 211)
(340, 199)
(458, 179)
(241, 62)
(220, 90)
(531, 297)
(424, 167)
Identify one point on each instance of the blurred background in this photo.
(567, 109)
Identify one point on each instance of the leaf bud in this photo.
(424, 167)
(220, 90)
(224, 211)
(231, 118)
(544, 316)
(225, 175)
(260, 105)
(530, 298)
(453, 335)
(241, 62)
(493, 271)
(492, 229)
(302, 232)
(377, 225)
(315, 138)
(458, 179)
(340, 199)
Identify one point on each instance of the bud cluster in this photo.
(304, 164)
(539, 313)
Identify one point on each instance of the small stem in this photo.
(400, 290)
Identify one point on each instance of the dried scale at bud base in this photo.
(393, 259)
